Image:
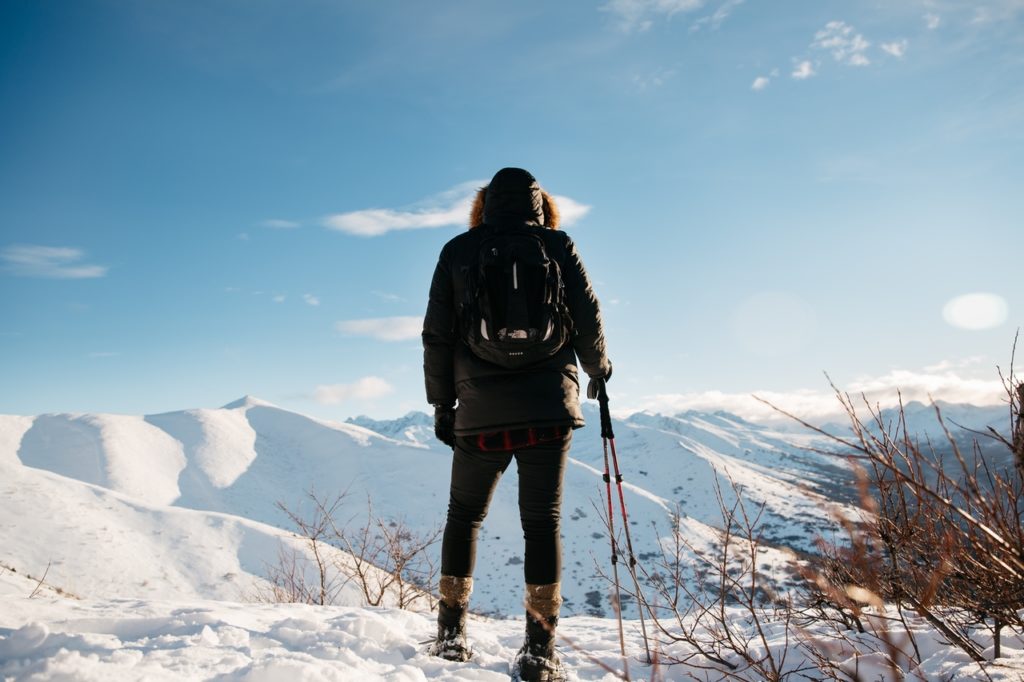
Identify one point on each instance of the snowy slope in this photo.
(158, 531)
(241, 460)
(119, 640)
(94, 542)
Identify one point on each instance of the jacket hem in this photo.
(570, 423)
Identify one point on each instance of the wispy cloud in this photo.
(941, 381)
(53, 262)
(803, 70)
(104, 354)
(932, 21)
(652, 80)
(718, 17)
(310, 299)
(995, 11)
(640, 15)
(844, 44)
(394, 298)
(279, 298)
(945, 365)
(896, 49)
(383, 328)
(448, 209)
(279, 224)
(367, 388)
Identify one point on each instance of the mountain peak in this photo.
(246, 401)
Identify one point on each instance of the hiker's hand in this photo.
(444, 424)
(596, 386)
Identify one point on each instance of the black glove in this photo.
(444, 424)
(596, 384)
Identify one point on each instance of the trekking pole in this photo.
(608, 438)
(611, 534)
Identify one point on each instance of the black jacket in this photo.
(491, 397)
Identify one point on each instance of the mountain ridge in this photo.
(242, 459)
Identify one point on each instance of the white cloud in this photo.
(716, 19)
(944, 365)
(279, 298)
(447, 209)
(845, 45)
(104, 354)
(976, 311)
(570, 210)
(53, 262)
(896, 49)
(803, 70)
(997, 11)
(932, 21)
(654, 80)
(310, 299)
(760, 83)
(639, 15)
(945, 385)
(939, 382)
(383, 328)
(367, 388)
(279, 224)
(243, 236)
(394, 298)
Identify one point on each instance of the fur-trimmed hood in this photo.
(513, 196)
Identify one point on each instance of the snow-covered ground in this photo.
(156, 535)
(50, 638)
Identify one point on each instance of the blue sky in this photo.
(205, 200)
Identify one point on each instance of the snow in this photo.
(143, 473)
(101, 543)
(156, 533)
(220, 444)
(119, 452)
(50, 638)
(12, 431)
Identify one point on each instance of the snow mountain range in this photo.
(187, 504)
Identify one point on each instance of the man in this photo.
(525, 412)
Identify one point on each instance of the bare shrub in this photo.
(729, 618)
(937, 553)
(386, 560)
(946, 544)
(941, 535)
(289, 579)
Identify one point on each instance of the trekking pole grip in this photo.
(606, 416)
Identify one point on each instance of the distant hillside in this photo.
(184, 503)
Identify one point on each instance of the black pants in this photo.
(475, 475)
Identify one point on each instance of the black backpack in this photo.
(514, 313)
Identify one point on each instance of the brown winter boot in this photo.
(537, 660)
(451, 619)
